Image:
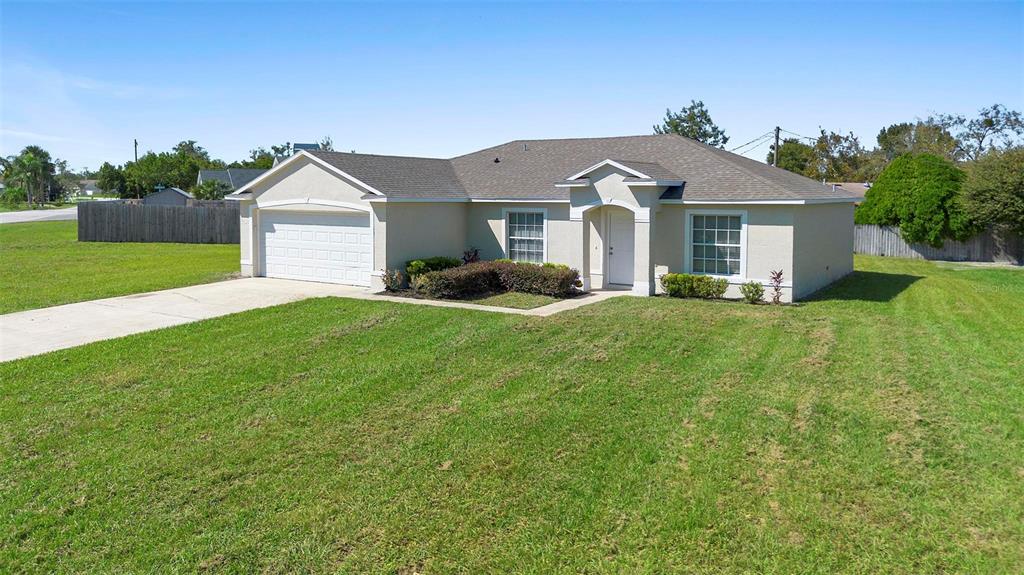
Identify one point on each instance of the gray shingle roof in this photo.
(399, 176)
(652, 170)
(528, 170)
(234, 177)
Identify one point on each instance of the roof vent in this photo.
(497, 160)
(525, 147)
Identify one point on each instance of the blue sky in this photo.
(84, 79)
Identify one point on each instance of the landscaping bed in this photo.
(502, 283)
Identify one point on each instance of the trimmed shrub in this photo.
(417, 269)
(688, 285)
(554, 280)
(554, 266)
(462, 281)
(678, 285)
(753, 292)
(490, 277)
(712, 288)
(434, 264)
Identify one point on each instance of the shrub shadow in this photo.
(866, 286)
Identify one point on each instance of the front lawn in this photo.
(879, 428)
(43, 264)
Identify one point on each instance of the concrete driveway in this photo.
(41, 330)
(39, 215)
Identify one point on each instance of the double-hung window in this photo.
(526, 236)
(715, 244)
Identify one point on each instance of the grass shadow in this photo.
(866, 286)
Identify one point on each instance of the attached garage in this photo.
(323, 247)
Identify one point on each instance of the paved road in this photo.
(39, 215)
(38, 331)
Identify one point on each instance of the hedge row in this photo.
(499, 276)
(687, 285)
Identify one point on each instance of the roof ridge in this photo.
(315, 152)
(706, 149)
(558, 140)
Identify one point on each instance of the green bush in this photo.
(417, 269)
(434, 264)
(463, 281)
(920, 194)
(688, 285)
(553, 280)
(497, 276)
(753, 292)
(712, 288)
(554, 266)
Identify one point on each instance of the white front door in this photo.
(332, 248)
(620, 247)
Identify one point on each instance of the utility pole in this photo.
(775, 161)
(137, 146)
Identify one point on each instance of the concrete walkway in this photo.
(39, 215)
(42, 330)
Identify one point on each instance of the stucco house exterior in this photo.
(622, 210)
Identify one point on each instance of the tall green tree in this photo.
(994, 189)
(110, 179)
(693, 121)
(920, 193)
(995, 127)
(839, 158)
(917, 138)
(794, 156)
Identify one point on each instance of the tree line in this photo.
(942, 177)
(34, 177)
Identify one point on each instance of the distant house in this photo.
(89, 188)
(296, 148)
(233, 177)
(168, 197)
(855, 189)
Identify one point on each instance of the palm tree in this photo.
(28, 171)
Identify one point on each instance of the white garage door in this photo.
(330, 248)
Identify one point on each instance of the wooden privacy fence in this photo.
(990, 246)
(216, 223)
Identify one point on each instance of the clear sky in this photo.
(84, 79)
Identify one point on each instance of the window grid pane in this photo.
(715, 244)
(526, 237)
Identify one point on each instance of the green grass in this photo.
(877, 429)
(515, 300)
(43, 264)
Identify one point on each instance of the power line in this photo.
(798, 135)
(761, 137)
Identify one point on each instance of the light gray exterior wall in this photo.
(486, 230)
(822, 246)
(419, 230)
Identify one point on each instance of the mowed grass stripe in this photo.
(877, 428)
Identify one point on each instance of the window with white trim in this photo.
(715, 244)
(526, 236)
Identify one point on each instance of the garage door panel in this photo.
(335, 248)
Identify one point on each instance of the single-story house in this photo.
(234, 177)
(623, 211)
(167, 197)
(89, 188)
